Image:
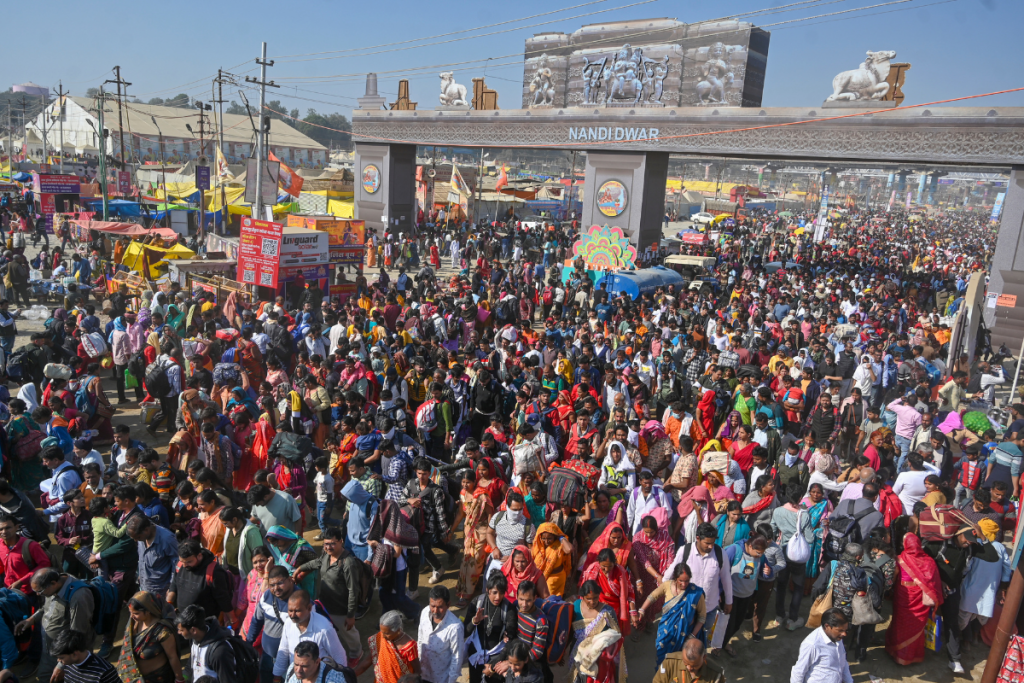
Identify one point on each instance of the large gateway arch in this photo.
(632, 146)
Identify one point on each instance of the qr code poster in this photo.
(259, 249)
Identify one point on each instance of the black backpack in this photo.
(18, 364)
(506, 311)
(137, 364)
(247, 662)
(157, 383)
(843, 529)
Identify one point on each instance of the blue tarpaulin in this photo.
(637, 282)
(120, 208)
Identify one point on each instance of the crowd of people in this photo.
(593, 467)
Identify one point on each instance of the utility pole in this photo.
(261, 142)
(24, 130)
(202, 153)
(103, 155)
(60, 113)
(43, 117)
(120, 120)
(10, 140)
(222, 76)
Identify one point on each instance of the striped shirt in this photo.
(533, 630)
(92, 670)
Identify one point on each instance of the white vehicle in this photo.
(703, 217)
(534, 221)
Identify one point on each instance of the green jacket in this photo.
(251, 539)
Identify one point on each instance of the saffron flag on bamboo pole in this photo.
(288, 180)
(458, 184)
(223, 172)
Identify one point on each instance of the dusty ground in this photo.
(770, 659)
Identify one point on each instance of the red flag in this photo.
(289, 180)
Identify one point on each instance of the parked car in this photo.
(702, 218)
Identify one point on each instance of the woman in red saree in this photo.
(742, 447)
(488, 481)
(651, 555)
(703, 427)
(616, 587)
(615, 539)
(346, 449)
(435, 257)
(519, 567)
(917, 591)
(243, 438)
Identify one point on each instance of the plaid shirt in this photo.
(695, 361)
(396, 477)
(432, 506)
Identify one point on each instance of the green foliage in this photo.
(327, 138)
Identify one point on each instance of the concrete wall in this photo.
(396, 195)
(643, 176)
(1008, 265)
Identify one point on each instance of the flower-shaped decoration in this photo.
(605, 248)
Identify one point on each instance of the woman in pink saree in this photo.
(650, 556)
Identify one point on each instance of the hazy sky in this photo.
(956, 47)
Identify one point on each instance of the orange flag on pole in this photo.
(502, 179)
(289, 180)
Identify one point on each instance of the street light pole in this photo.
(103, 155)
(163, 166)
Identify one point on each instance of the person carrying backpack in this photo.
(436, 422)
(215, 652)
(852, 521)
(164, 382)
(67, 607)
(199, 579)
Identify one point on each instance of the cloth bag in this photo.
(798, 550)
(864, 612)
(823, 603)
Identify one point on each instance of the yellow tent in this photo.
(133, 257)
(341, 209)
(331, 194)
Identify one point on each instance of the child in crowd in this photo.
(324, 483)
(105, 532)
(129, 471)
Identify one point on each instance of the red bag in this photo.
(28, 445)
(940, 523)
(589, 473)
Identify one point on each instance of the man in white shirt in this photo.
(822, 655)
(909, 485)
(441, 640)
(864, 376)
(336, 333)
(645, 498)
(304, 623)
